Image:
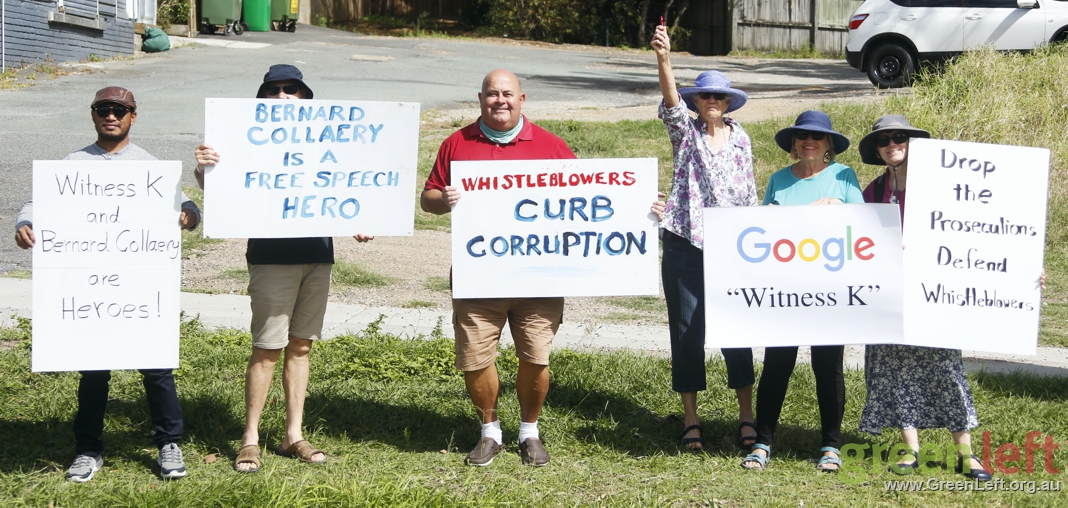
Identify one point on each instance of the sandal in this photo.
(743, 438)
(687, 441)
(302, 450)
(906, 468)
(758, 458)
(827, 459)
(249, 454)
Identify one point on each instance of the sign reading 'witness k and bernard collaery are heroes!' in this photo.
(106, 264)
(563, 227)
(803, 275)
(975, 231)
(300, 168)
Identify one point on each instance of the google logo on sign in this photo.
(834, 250)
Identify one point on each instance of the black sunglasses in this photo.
(708, 95)
(118, 111)
(803, 135)
(884, 141)
(288, 89)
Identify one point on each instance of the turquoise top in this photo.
(837, 181)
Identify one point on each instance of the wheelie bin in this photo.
(257, 15)
(284, 13)
(220, 13)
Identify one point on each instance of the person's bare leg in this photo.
(483, 386)
(745, 412)
(531, 386)
(295, 374)
(911, 437)
(965, 438)
(258, 377)
(689, 409)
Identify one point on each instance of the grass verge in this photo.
(352, 274)
(395, 420)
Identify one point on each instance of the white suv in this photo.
(887, 38)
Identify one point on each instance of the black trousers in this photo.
(830, 391)
(93, 400)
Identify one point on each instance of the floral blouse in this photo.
(702, 178)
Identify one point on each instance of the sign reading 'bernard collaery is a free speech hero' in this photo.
(106, 264)
(563, 227)
(301, 168)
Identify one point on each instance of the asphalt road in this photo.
(51, 118)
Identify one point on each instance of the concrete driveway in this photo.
(52, 118)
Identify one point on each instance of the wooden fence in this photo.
(719, 26)
(343, 10)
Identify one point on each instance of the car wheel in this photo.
(890, 66)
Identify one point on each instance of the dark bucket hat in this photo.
(869, 154)
(713, 82)
(283, 72)
(811, 121)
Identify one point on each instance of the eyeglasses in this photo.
(803, 135)
(708, 95)
(118, 111)
(288, 89)
(884, 141)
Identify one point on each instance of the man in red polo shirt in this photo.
(502, 133)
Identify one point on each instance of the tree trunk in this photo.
(641, 23)
(678, 15)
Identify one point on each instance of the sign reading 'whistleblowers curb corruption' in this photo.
(975, 235)
(301, 168)
(802, 275)
(106, 264)
(562, 227)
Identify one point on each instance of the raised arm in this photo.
(662, 46)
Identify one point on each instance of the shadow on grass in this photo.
(408, 428)
(1019, 384)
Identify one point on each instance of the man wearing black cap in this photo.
(114, 111)
(289, 282)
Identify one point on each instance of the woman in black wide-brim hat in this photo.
(911, 387)
(713, 166)
(813, 178)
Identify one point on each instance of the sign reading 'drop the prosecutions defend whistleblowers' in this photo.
(803, 275)
(300, 168)
(975, 232)
(106, 264)
(562, 227)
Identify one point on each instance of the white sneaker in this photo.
(171, 464)
(84, 467)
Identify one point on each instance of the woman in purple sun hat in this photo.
(713, 166)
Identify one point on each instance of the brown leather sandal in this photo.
(302, 450)
(249, 454)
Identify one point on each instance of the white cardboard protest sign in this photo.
(106, 265)
(975, 232)
(292, 169)
(802, 275)
(563, 227)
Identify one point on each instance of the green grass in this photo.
(236, 274)
(806, 51)
(352, 274)
(395, 421)
(641, 308)
(435, 283)
(17, 274)
(418, 304)
(193, 242)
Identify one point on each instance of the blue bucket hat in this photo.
(283, 72)
(713, 82)
(811, 121)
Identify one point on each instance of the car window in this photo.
(933, 3)
(988, 4)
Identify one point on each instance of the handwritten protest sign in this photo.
(291, 169)
(106, 265)
(975, 232)
(560, 227)
(802, 275)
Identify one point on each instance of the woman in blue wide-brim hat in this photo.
(813, 178)
(713, 166)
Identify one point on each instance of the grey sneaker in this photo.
(483, 453)
(170, 461)
(84, 467)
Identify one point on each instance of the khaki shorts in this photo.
(287, 300)
(478, 323)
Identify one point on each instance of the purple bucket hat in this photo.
(811, 121)
(713, 82)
